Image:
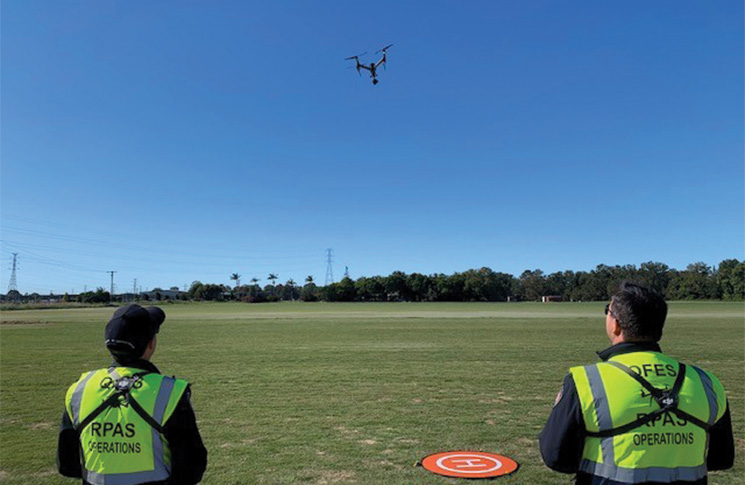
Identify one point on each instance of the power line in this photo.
(59, 252)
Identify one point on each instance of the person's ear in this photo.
(150, 349)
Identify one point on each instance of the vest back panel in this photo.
(667, 447)
(119, 444)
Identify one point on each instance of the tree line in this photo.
(697, 282)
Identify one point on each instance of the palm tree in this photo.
(237, 278)
(309, 279)
(291, 285)
(272, 277)
(254, 280)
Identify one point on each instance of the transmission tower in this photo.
(13, 286)
(346, 271)
(329, 269)
(111, 294)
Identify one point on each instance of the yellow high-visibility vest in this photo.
(647, 417)
(120, 413)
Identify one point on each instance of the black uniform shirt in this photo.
(563, 437)
(188, 454)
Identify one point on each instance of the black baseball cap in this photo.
(130, 330)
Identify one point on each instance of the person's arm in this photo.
(68, 449)
(188, 454)
(563, 436)
(721, 444)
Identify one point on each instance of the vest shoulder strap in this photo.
(101, 408)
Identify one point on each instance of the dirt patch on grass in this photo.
(390, 464)
(239, 444)
(499, 398)
(23, 322)
(341, 476)
(527, 442)
(368, 442)
(36, 477)
(43, 425)
(406, 441)
(346, 432)
(739, 445)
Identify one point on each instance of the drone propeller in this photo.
(355, 57)
(384, 48)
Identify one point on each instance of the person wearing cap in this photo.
(638, 416)
(128, 423)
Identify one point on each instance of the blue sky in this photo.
(181, 141)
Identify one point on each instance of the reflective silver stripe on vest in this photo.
(641, 475)
(602, 411)
(164, 395)
(77, 398)
(711, 395)
(124, 478)
(114, 375)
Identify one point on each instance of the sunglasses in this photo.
(608, 310)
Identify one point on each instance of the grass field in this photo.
(348, 393)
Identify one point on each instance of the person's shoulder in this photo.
(705, 374)
(581, 369)
(178, 381)
(180, 388)
(173, 383)
(84, 377)
(79, 383)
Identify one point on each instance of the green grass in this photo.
(347, 393)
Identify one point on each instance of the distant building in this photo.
(16, 297)
(551, 298)
(157, 295)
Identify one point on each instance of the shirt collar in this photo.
(138, 364)
(628, 347)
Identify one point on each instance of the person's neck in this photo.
(623, 339)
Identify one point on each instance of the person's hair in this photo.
(639, 311)
(124, 358)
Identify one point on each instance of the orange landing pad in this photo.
(469, 464)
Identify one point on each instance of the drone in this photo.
(373, 65)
